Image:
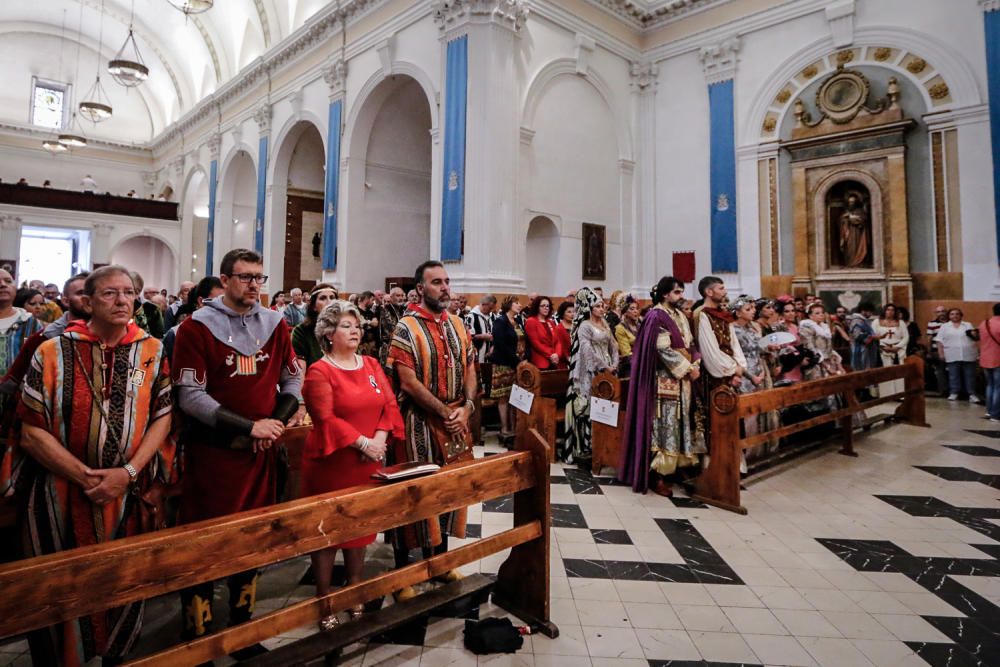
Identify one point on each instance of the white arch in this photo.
(281, 137)
(144, 233)
(195, 170)
(567, 67)
(361, 101)
(243, 147)
(961, 80)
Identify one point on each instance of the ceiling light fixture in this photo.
(96, 106)
(189, 7)
(53, 146)
(128, 68)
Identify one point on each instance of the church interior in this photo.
(846, 151)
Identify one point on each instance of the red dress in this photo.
(344, 405)
(542, 341)
(562, 343)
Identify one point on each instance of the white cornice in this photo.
(30, 131)
(655, 15)
(559, 16)
(990, 5)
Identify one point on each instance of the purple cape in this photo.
(633, 461)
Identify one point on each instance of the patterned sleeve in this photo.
(161, 401)
(35, 406)
(401, 350)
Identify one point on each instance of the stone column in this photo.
(491, 230)
(641, 234)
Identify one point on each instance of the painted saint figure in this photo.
(854, 233)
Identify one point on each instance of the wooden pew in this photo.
(719, 484)
(549, 390)
(607, 439)
(42, 591)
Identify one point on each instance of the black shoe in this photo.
(248, 652)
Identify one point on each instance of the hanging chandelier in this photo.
(127, 68)
(96, 105)
(53, 146)
(189, 7)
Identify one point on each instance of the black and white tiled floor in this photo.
(890, 559)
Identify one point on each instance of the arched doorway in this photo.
(387, 231)
(238, 210)
(542, 256)
(299, 179)
(151, 257)
(195, 220)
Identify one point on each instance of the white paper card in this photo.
(521, 399)
(604, 411)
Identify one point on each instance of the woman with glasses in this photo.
(540, 328)
(304, 341)
(355, 414)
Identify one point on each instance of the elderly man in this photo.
(170, 317)
(295, 312)
(389, 315)
(147, 315)
(434, 363)
(228, 358)
(479, 322)
(84, 470)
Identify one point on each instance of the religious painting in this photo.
(10, 266)
(594, 252)
(850, 298)
(849, 226)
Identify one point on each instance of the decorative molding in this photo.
(177, 164)
(584, 50)
(719, 60)
(103, 229)
(642, 15)
(990, 5)
(626, 167)
(527, 136)
(262, 116)
(214, 143)
(386, 54)
(295, 100)
(645, 76)
(148, 178)
(237, 133)
(840, 17)
(335, 76)
(509, 13)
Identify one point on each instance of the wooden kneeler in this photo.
(42, 591)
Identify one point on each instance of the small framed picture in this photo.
(594, 252)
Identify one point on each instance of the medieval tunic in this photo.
(133, 390)
(438, 350)
(15, 332)
(236, 361)
(721, 355)
(661, 430)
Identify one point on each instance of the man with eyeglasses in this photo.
(228, 358)
(92, 454)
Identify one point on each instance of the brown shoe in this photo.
(661, 488)
(449, 577)
(404, 594)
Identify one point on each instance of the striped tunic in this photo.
(54, 513)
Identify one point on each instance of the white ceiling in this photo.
(188, 57)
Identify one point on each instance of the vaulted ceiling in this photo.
(189, 57)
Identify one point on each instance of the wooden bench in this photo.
(607, 439)
(719, 484)
(547, 407)
(42, 591)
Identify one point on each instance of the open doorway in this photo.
(52, 255)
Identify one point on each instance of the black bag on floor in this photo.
(492, 635)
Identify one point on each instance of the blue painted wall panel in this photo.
(258, 229)
(213, 177)
(456, 99)
(330, 198)
(993, 78)
(725, 254)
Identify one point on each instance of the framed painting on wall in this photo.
(594, 252)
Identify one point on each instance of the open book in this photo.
(405, 471)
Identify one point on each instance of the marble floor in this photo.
(889, 559)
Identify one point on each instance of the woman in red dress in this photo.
(354, 413)
(564, 324)
(541, 332)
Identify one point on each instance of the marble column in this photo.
(642, 239)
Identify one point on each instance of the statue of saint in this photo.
(854, 233)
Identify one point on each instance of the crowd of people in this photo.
(89, 185)
(112, 390)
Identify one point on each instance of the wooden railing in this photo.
(719, 483)
(26, 195)
(42, 591)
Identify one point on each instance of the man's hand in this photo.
(109, 484)
(736, 380)
(261, 445)
(457, 422)
(267, 429)
(694, 373)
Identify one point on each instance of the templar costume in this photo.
(662, 429)
(98, 402)
(438, 350)
(721, 354)
(226, 366)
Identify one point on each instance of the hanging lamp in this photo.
(127, 68)
(96, 106)
(73, 136)
(52, 144)
(189, 7)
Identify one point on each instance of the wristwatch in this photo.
(133, 474)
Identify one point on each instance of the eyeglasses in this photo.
(113, 294)
(247, 278)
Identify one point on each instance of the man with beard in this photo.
(434, 365)
(662, 431)
(228, 358)
(389, 315)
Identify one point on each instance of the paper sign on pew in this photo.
(604, 411)
(521, 399)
